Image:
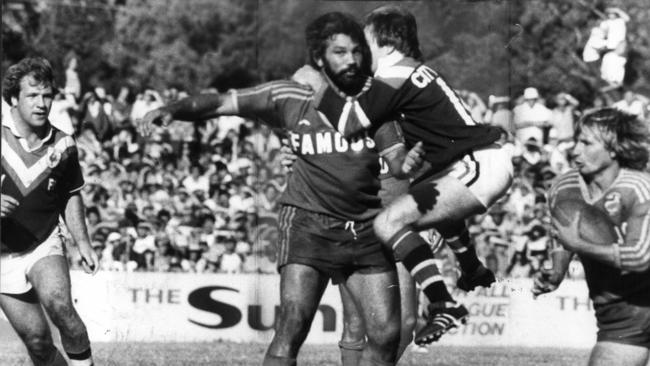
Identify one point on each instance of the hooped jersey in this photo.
(41, 179)
(627, 203)
(427, 109)
(333, 175)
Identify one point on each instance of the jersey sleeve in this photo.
(634, 251)
(73, 172)
(270, 101)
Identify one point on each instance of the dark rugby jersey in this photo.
(332, 175)
(627, 203)
(41, 179)
(426, 107)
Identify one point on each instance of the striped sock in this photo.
(84, 358)
(464, 251)
(415, 254)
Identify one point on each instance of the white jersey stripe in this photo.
(458, 105)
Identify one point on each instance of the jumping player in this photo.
(331, 198)
(465, 170)
(41, 180)
(611, 156)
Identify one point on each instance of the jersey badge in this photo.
(613, 204)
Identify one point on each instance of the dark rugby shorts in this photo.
(625, 323)
(330, 245)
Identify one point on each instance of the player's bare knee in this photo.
(384, 333)
(40, 345)
(293, 319)
(385, 226)
(64, 316)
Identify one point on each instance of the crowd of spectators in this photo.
(204, 198)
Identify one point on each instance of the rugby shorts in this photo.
(487, 172)
(625, 323)
(333, 246)
(14, 267)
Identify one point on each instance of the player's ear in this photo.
(14, 101)
(319, 62)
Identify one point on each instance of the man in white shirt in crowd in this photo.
(531, 118)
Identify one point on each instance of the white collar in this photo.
(388, 61)
(8, 121)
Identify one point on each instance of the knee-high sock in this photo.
(84, 358)
(464, 251)
(416, 255)
(351, 352)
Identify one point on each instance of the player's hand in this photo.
(568, 236)
(89, 259)
(545, 281)
(287, 157)
(158, 117)
(309, 76)
(413, 160)
(8, 205)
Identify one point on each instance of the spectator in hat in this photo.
(563, 116)
(531, 117)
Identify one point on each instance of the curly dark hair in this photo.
(37, 67)
(395, 26)
(622, 133)
(323, 28)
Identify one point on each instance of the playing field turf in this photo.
(228, 353)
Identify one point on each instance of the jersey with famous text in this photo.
(333, 175)
(426, 107)
(41, 179)
(627, 203)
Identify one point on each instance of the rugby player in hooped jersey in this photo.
(465, 170)
(331, 198)
(41, 180)
(611, 156)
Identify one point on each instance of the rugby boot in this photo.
(480, 277)
(441, 320)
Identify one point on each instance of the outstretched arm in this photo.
(195, 108)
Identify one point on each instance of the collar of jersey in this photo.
(8, 121)
(387, 61)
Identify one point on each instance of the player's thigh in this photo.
(25, 315)
(377, 295)
(50, 277)
(442, 200)
(618, 354)
(301, 288)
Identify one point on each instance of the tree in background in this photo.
(490, 47)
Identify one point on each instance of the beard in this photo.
(349, 80)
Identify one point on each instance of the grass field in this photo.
(227, 353)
